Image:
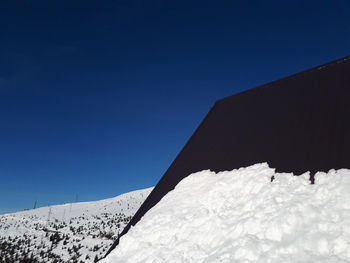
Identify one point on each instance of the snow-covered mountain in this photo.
(77, 232)
(251, 214)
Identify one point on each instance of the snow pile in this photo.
(241, 216)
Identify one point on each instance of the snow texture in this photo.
(241, 216)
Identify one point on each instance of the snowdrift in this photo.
(241, 216)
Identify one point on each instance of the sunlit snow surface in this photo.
(241, 216)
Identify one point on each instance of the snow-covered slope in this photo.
(241, 216)
(78, 232)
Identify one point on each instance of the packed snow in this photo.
(241, 216)
(78, 232)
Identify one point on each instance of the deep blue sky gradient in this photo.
(98, 97)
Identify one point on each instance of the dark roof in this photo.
(296, 124)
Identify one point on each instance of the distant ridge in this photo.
(77, 232)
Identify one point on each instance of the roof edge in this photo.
(342, 60)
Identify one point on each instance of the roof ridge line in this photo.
(298, 74)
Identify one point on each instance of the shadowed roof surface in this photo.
(296, 124)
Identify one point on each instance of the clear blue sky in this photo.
(98, 97)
